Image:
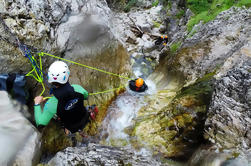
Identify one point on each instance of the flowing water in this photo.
(121, 114)
(117, 126)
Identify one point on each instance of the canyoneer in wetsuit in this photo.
(67, 102)
(138, 85)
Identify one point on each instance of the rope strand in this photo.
(37, 69)
(93, 68)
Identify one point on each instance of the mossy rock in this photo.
(178, 127)
(54, 139)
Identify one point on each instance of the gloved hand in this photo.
(38, 100)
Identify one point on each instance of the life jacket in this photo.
(70, 110)
(15, 85)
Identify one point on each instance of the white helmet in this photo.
(58, 72)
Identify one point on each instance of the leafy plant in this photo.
(156, 24)
(174, 47)
(198, 6)
(180, 14)
(191, 33)
(155, 3)
(129, 5)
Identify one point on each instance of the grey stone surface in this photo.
(19, 140)
(217, 43)
(229, 118)
(95, 154)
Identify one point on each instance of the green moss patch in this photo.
(180, 14)
(129, 5)
(155, 3)
(175, 46)
(156, 25)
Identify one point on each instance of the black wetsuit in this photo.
(71, 111)
(161, 41)
(133, 87)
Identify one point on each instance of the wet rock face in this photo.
(229, 117)
(94, 154)
(173, 123)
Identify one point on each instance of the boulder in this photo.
(19, 140)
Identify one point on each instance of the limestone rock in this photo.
(207, 54)
(229, 119)
(31, 152)
(217, 46)
(94, 154)
(210, 48)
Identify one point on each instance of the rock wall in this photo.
(81, 31)
(228, 123)
(216, 43)
(174, 118)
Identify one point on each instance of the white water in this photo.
(121, 114)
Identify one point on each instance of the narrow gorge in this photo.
(195, 57)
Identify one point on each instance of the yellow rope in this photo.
(93, 68)
(39, 78)
(106, 91)
(90, 94)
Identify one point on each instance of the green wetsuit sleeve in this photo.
(81, 90)
(43, 117)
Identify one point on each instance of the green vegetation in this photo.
(198, 6)
(207, 10)
(129, 5)
(191, 33)
(180, 14)
(155, 3)
(174, 47)
(156, 24)
(246, 3)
